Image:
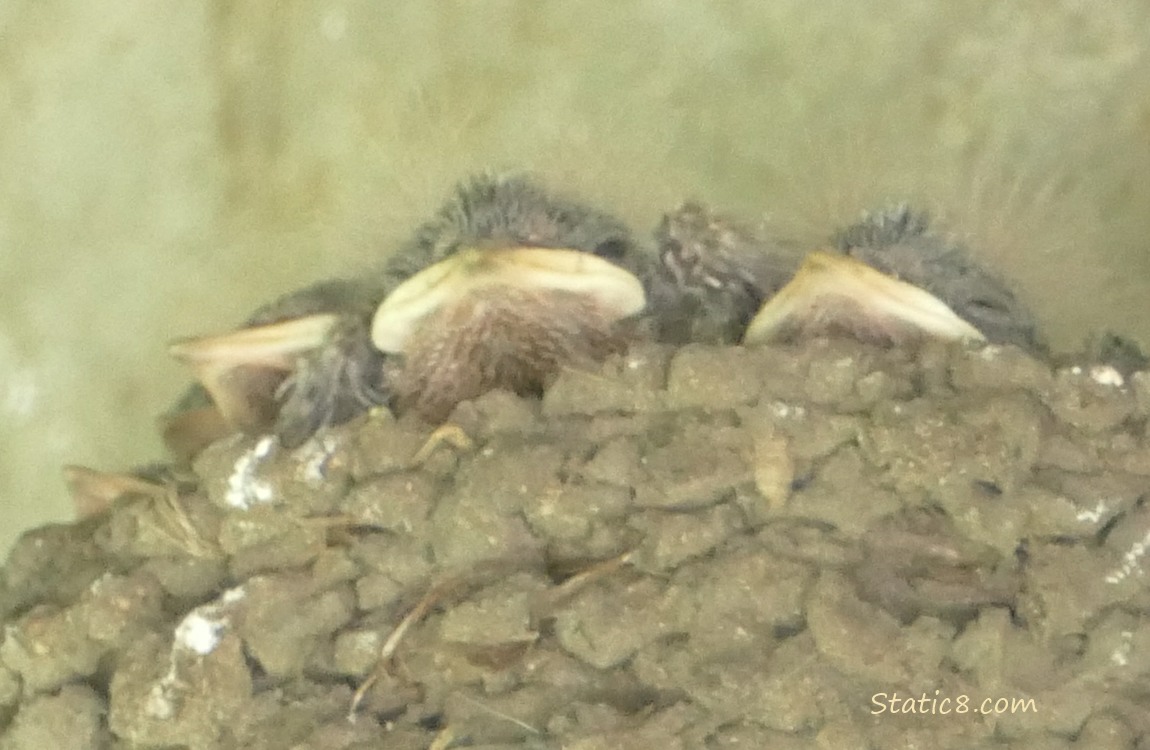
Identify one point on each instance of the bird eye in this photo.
(988, 305)
(611, 249)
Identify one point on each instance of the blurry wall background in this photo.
(167, 165)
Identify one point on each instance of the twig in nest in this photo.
(499, 714)
(553, 597)
(170, 508)
(448, 434)
(477, 577)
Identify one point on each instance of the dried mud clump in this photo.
(821, 545)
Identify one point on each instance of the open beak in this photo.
(241, 371)
(837, 293)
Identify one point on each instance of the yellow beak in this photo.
(837, 292)
(615, 291)
(241, 370)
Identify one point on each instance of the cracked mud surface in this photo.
(706, 547)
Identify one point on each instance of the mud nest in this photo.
(822, 545)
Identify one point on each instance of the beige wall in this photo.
(166, 165)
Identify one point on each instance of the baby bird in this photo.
(298, 363)
(889, 279)
(900, 243)
(506, 285)
(715, 273)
